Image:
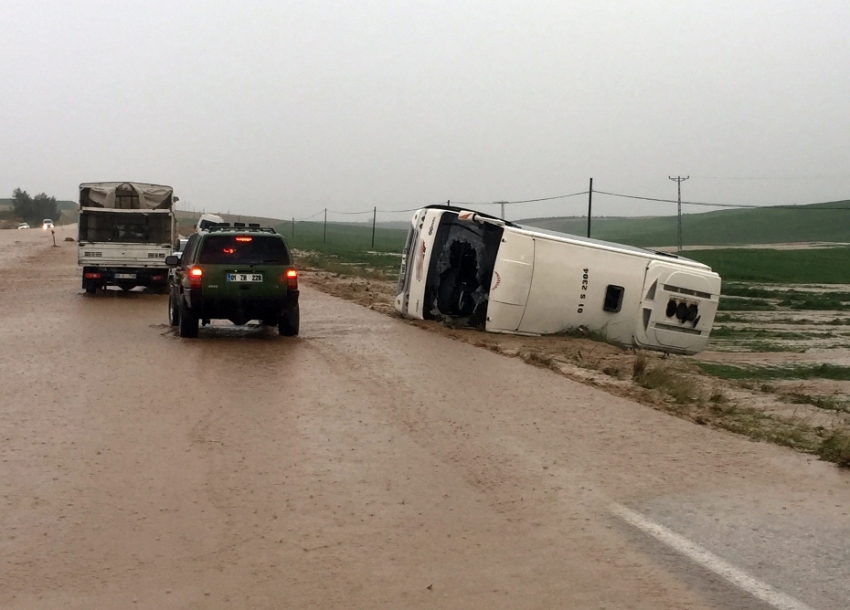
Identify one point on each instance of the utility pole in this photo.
(679, 180)
(293, 227)
(589, 204)
(502, 203)
(374, 221)
(325, 230)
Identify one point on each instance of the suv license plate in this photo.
(244, 277)
(125, 276)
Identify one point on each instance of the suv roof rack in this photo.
(239, 227)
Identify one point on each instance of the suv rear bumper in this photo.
(241, 311)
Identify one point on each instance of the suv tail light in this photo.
(291, 279)
(195, 275)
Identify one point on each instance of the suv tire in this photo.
(188, 321)
(288, 323)
(173, 310)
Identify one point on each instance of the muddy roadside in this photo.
(779, 412)
(18, 244)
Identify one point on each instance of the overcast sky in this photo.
(284, 108)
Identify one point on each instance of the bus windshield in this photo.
(461, 269)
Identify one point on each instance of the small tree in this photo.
(34, 209)
(22, 203)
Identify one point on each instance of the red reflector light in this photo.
(92, 276)
(157, 278)
(243, 238)
(229, 250)
(195, 272)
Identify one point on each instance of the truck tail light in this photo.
(291, 279)
(195, 275)
(157, 278)
(92, 276)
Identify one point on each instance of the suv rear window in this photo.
(244, 250)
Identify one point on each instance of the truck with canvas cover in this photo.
(126, 230)
(484, 272)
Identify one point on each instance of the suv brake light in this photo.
(195, 275)
(291, 279)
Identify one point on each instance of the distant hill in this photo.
(8, 204)
(828, 222)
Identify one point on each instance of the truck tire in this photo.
(188, 321)
(90, 288)
(173, 311)
(288, 324)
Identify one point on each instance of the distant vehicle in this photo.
(178, 252)
(239, 273)
(46, 224)
(492, 274)
(206, 221)
(126, 229)
(23, 225)
(181, 247)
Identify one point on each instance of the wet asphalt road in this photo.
(365, 464)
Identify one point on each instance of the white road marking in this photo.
(710, 561)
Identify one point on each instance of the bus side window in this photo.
(613, 298)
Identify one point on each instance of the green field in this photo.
(805, 266)
(351, 242)
(818, 222)
(346, 244)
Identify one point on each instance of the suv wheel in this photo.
(188, 321)
(288, 323)
(173, 311)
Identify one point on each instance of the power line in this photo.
(548, 198)
(350, 213)
(309, 217)
(794, 206)
(713, 205)
(788, 178)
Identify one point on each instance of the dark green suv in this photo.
(237, 273)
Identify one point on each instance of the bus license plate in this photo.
(244, 277)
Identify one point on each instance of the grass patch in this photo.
(744, 304)
(816, 302)
(836, 448)
(809, 371)
(580, 332)
(681, 388)
(828, 403)
(366, 268)
(742, 290)
(763, 333)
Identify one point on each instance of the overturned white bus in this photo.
(489, 273)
